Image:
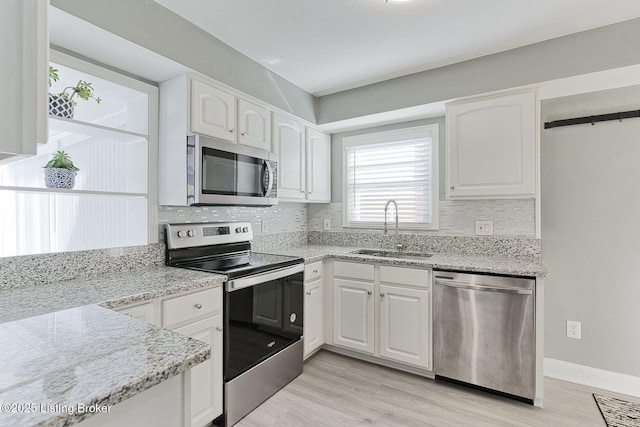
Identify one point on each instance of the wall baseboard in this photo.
(592, 377)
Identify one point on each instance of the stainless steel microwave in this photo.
(223, 173)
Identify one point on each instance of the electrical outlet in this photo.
(327, 223)
(574, 329)
(265, 227)
(484, 228)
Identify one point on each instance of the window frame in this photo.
(128, 80)
(414, 132)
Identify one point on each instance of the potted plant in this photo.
(61, 104)
(60, 172)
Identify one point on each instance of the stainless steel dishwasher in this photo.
(484, 331)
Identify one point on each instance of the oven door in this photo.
(263, 316)
(227, 173)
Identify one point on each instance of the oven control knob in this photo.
(239, 230)
(182, 233)
(245, 229)
(191, 233)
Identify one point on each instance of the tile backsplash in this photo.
(282, 218)
(513, 218)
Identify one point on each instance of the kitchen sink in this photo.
(382, 253)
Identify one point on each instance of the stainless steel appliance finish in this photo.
(245, 393)
(222, 173)
(263, 309)
(484, 331)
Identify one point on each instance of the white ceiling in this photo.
(326, 46)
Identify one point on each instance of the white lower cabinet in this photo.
(199, 315)
(353, 305)
(313, 308)
(404, 325)
(206, 378)
(384, 311)
(146, 312)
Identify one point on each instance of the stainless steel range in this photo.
(263, 302)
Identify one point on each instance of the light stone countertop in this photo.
(111, 291)
(495, 264)
(60, 347)
(59, 362)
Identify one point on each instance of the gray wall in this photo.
(150, 25)
(591, 231)
(594, 50)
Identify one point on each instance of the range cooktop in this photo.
(223, 248)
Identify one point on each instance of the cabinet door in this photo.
(404, 325)
(24, 32)
(288, 143)
(254, 125)
(353, 304)
(144, 312)
(313, 316)
(491, 147)
(206, 378)
(318, 166)
(213, 112)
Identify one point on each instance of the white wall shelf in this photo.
(86, 128)
(70, 191)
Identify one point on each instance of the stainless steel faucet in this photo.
(397, 245)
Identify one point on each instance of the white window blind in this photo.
(399, 165)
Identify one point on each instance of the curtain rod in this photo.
(593, 119)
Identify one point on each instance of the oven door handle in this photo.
(245, 282)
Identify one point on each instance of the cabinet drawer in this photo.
(312, 271)
(405, 276)
(187, 307)
(353, 270)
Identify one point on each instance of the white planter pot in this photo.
(61, 107)
(59, 178)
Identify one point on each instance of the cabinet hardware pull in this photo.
(315, 271)
(198, 306)
(381, 294)
(453, 187)
(308, 292)
(368, 292)
(243, 134)
(219, 328)
(232, 131)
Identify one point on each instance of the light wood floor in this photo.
(335, 390)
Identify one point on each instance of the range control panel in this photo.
(203, 234)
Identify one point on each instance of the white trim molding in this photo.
(592, 377)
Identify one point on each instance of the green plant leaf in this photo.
(61, 160)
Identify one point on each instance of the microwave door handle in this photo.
(269, 170)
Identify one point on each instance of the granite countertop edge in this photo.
(122, 393)
(494, 264)
(137, 286)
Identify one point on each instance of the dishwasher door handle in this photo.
(488, 288)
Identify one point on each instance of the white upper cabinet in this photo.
(213, 111)
(318, 166)
(254, 125)
(491, 147)
(304, 170)
(289, 144)
(25, 47)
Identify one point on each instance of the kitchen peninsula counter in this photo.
(63, 348)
